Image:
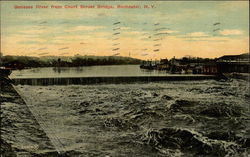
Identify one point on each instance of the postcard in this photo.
(124, 78)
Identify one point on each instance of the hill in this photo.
(64, 61)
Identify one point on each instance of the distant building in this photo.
(163, 65)
(243, 58)
(224, 64)
(148, 65)
(210, 68)
(234, 63)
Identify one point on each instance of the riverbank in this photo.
(21, 134)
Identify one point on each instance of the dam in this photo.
(107, 80)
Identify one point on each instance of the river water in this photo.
(87, 71)
(178, 118)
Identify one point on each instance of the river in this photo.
(170, 119)
(87, 71)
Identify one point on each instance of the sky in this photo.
(163, 30)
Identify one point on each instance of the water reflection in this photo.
(68, 69)
(88, 71)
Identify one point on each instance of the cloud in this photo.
(33, 31)
(233, 5)
(29, 42)
(168, 31)
(231, 32)
(84, 28)
(132, 33)
(197, 34)
(125, 28)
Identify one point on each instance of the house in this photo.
(163, 65)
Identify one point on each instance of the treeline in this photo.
(53, 61)
(111, 60)
(188, 60)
